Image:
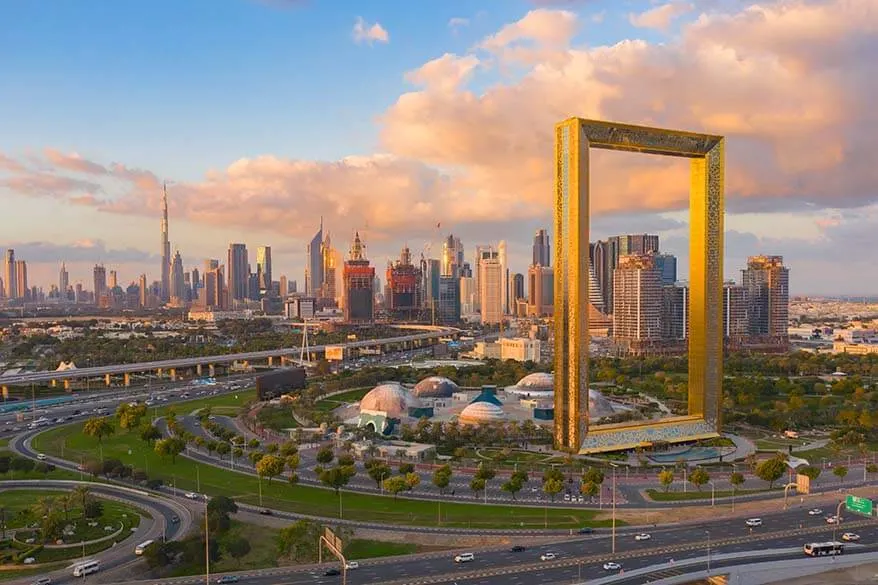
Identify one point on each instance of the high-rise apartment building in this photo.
(99, 275)
(604, 258)
(491, 285)
(449, 300)
(112, 280)
(314, 269)
(63, 281)
(504, 275)
(143, 291)
(767, 282)
(405, 295)
(675, 312)
(735, 313)
(9, 274)
(452, 256)
(283, 287)
(21, 289)
(540, 290)
(178, 285)
(637, 302)
(541, 249)
(213, 293)
(359, 285)
(263, 269)
(239, 272)
(467, 295)
(666, 264)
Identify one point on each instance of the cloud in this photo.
(368, 33)
(80, 251)
(445, 73)
(661, 16)
(73, 162)
(552, 28)
(457, 23)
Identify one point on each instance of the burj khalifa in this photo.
(166, 249)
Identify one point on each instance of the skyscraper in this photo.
(21, 289)
(283, 286)
(638, 302)
(359, 285)
(9, 272)
(112, 280)
(63, 281)
(405, 287)
(166, 249)
(767, 282)
(504, 276)
(491, 285)
(144, 291)
(452, 256)
(541, 250)
(239, 272)
(666, 264)
(178, 286)
(540, 290)
(100, 281)
(263, 269)
(314, 269)
(327, 290)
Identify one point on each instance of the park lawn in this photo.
(334, 402)
(16, 500)
(263, 549)
(4, 443)
(54, 474)
(278, 494)
(360, 548)
(660, 496)
(8, 575)
(514, 457)
(221, 401)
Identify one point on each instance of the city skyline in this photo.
(811, 204)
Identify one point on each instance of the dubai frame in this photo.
(574, 138)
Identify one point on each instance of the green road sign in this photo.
(859, 505)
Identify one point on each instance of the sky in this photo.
(408, 121)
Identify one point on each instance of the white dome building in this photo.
(435, 387)
(536, 385)
(481, 412)
(390, 398)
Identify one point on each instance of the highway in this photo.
(39, 377)
(162, 510)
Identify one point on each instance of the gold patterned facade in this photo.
(573, 139)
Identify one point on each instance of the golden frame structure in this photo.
(574, 138)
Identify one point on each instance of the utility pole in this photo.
(614, 507)
(206, 546)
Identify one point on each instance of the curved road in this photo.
(162, 510)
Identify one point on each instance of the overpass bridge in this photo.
(426, 335)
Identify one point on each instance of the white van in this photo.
(464, 558)
(86, 568)
(138, 550)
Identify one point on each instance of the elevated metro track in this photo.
(428, 333)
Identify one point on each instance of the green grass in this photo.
(334, 402)
(660, 496)
(15, 500)
(514, 456)
(4, 443)
(54, 474)
(277, 417)
(34, 572)
(302, 499)
(263, 551)
(359, 548)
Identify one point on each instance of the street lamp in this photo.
(708, 551)
(206, 546)
(712, 493)
(614, 466)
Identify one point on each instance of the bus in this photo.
(819, 549)
(86, 568)
(138, 550)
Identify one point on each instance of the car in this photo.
(331, 572)
(517, 548)
(548, 556)
(642, 536)
(191, 495)
(566, 497)
(228, 579)
(265, 512)
(751, 522)
(464, 558)
(586, 530)
(175, 519)
(832, 519)
(43, 581)
(815, 512)
(351, 565)
(29, 561)
(41, 457)
(850, 537)
(611, 566)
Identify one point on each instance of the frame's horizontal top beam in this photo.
(645, 139)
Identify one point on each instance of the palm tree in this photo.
(65, 501)
(80, 496)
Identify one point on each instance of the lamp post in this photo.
(206, 546)
(614, 507)
(708, 551)
(712, 493)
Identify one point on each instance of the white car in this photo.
(751, 522)
(832, 519)
(351, 565)
(41, 457)
(549, 556)
(850, 537)
(611, 566)
(464, 558)
(815, 512)
(191, 495)
(642, 536)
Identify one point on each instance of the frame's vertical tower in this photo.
(571, 284)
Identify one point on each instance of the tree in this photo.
(406, 468)
(325, 456)
(737, 480)
(589, 489)
(270, 466)
(149, 433)
(812, 472)
(840, 472)
(129, 415)
(442, 477)
(477, 485)
(289, 448)
(222, 505)
(337, 477)
(512, 486)
(299, 541)
(346, 460)
(593, 475)
(666, 478)
(293, 461)
(699, 477)
(170, 447)
(236, 547)
(395, 484)
(485, 471)
(255, 456)
(872, 468)
(553, 487)
(98, 427)
(412, 480)
(771, 470)
(223, 448)
(378, 471)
